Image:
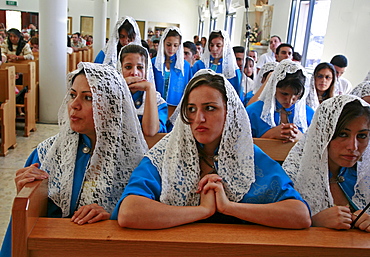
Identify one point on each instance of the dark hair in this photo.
(81, 72)
(340, 61)
(191, 46)
(297, 56)
(326, 65)
(198, 43)
(172, 33)
(134, 49)
(276, 36)
(156, 41)
(283, 45)
(295, 81)
(215, 81)
(238, 49)
(34, 41)
(77, 33)
(126, 25)
(21, 42)
(351, 111)
(153, 52)
(214, 35)
(145, 44)
(68, 41)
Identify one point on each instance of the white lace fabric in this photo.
(161, 57)
(110, 49)
(119, 147)
(362, 90)
(229, 65)
(177, 160)
(307, 162)
(269, 66)
(268, 95)
(312, 99)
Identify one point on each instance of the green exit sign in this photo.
(11, 3)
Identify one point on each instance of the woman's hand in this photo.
(207, 178)
(208, 202)
(138, 84)
(290, 132)
(222, 202)
(89, 214)
(29, 174)
(364, 222)
(337, 217)
(12, 57)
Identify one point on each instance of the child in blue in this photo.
(281, 112)
(150, 106)
(219, 56)
(171, 71)
(207, 169)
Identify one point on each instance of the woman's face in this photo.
(323, 80)
(206, 111)
(123, 38)
(80, 108)
(171, 45)
(286, 96)
(133, 65)
(347, 148)
(248, 70)
(13, 38)
(216, 46)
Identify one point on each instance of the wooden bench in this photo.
(86, 55)
(28, 69)
(7, 110)
(33, 236)
(72, 61)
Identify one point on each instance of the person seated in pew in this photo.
(88, 163)
(15, 48)
(362, 91)
(207, 169)
(151, 108)
(125, 32)
(330, 164)
(281, 112)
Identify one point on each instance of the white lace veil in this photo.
(119, 147)
(229, 65)
(110, 49)
(307, 162)
(312, 99)
(149, 76)
(268, 95)
(161, 58)
(362, 90)
(176, 156)
(269, 66)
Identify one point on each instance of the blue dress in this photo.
(82, 160)
(235, 81)
(162, 111)
(248, 97)
(272, 183)
(259, 127)
(176, 81)
(348, 184)
(100, 57)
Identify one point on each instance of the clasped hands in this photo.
(85, 214)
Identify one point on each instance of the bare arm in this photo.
(337, 217)
(258, 93)
(286, 132)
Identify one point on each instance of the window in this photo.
(229, 23)
(212, 24)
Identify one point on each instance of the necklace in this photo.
(336, 180)
(214, 159)
(86, 149)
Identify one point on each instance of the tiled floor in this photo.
(14, 161)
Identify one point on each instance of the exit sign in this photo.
(11, 3)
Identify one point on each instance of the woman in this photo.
(322, 84)
(207, 169)
(150, 106)
(125, 32)
(171, 72)
(16, 48)
(89, 161)
(219, 56)
(329, 165)
(362, 91)
(281, 112)
(248, 75)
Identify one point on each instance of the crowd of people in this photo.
(212, 99)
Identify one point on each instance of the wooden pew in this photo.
(28, 68)
(34, 236)
(78, 58)
(274, 148)
(72, 61)
(7, 110)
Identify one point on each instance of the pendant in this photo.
(86, 149)
(138, 103)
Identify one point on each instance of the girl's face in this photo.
(13, 38)
(80, 109)
(323, 80)
(171, 45)
(123, 38)
(248, 70)
(347, 148)
(133, 65)
(216, 47)
(286, 96)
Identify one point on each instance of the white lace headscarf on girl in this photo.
(312, 99)
(362, 90)
(268, 95)
(269, 66)
(161, 57)
(307, 162)
(177, 160)
(148, 76)
(110, 49)
(119, 147)
(229, 65)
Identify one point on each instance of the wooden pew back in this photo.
(72, 61)
(274, 148)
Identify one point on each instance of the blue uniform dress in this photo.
(100, 57)
(259, 127)
(248, 97)
(272, 184)
(172, 83)
(162, 111)
(235, 81)
(82, 161)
